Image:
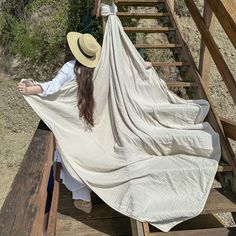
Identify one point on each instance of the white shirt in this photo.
(65, 73)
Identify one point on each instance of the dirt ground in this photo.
(18, 122)
(17, 126)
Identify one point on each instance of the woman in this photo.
(86, 51)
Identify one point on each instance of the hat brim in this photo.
(72, 39)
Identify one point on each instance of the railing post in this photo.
(205, 57)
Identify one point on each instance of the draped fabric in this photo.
(150, 155)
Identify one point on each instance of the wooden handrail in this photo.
(229, 127)
(205, 59)
(213, 48)
(225, 12)
(227, 151)
(52, 219)
(22, 212)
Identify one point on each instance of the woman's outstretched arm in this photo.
(46, 88)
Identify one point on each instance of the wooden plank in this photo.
(136, 227)
(227, 152)
(172, 5)
(161, 46)
(146, 228)
(67, 226)
(229, 127)
(139, 2)
(148, 30)
(213, 48)
(103, 220)
(199, 232)
(141, 15)
(51, 228)
(23, 210)
(224, 168)
(168, 64)
(199, 222)
(180, 84)
(100, 209)
(205, 56)
(220, 200)
(225, 12)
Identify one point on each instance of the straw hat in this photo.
(85, 48)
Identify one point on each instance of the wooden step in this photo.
(199, 232)
(148, 30)
(163, 46)
(220, 200)
(224, 167)
(180, 84)
(208, 221)
(141, 15)
(139, 3)
(169, 64)
(70, 226)
(103, 220)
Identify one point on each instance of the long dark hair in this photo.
(86, 101)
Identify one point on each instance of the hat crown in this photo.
(89, 44)
(85, 48)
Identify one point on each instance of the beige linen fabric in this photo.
(150, 155)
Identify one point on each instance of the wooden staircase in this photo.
(24, 215)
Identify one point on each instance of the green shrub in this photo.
(36, 29)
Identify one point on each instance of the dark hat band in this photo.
(82, 51)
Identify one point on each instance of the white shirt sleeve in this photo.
(55, 84)
(57, 155)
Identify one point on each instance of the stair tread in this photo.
(139, 3)
(174, 63)
(167, 45)
(196, 232)
(224, 167)
(144, 15)
(220, 200)
(148, 29)
(180, 84)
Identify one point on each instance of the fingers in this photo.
(148, 64)
(21, 87)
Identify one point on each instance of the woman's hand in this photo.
(148, 64)
(22, 88)
(27, 88)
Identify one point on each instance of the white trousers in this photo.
(79, 189)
